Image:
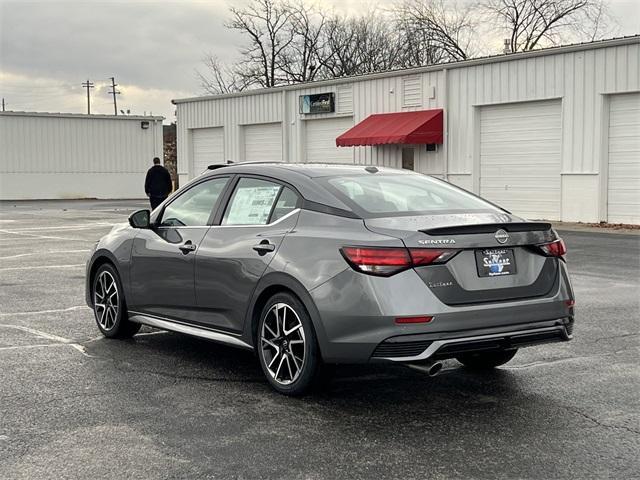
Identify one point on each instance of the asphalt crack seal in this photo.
(598, 422)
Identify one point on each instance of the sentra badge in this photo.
(442, 241)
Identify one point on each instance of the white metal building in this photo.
(61, 155)
(550, 134)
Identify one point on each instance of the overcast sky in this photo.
(48, 48)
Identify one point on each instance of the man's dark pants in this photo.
(155, 201)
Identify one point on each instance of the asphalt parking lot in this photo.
(163, 405)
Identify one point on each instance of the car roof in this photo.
(311, 170)
(301, 176)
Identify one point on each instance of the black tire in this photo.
(309, 373)
(486, 360)
(111, 318)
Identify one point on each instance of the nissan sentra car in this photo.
(313, 265)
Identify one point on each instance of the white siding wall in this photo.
(230, 113)
(582, 78)
(75, 156)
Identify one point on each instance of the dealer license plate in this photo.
(495, 262)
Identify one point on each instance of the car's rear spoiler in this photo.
(488, 228)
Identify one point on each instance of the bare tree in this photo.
(300, 62)
(378, 44)
(599, 23)
(294, 42)
(340, 44)
(266, 23)
(355, 46)
(219, 78)
(533, 24)
(434, 30)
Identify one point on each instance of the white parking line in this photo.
(39, 333)
(156, 332)
(37, 267)
(40, 236)
(40, 312)
(38, 345)
(143, 334)
(19, 255)
(61, 227)
(49, 336)
(16, 239)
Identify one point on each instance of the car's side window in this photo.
(193, 208)
(287, 202)
(252, 202)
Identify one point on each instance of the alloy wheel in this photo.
(106, 300)
(282, 342)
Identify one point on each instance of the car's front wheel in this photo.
(287, 345)
(486, 360)
(109, 306)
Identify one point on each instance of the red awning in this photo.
(418, 127)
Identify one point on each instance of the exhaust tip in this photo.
(431, 369)
(434, 369)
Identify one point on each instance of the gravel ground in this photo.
(163, 405)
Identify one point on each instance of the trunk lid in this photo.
(496, 261)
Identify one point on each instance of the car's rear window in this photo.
(388, 194)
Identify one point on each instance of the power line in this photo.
(114, 92)
(88, 85)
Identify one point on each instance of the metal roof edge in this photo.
(11, 113)
(612, 42)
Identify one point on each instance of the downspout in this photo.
(445, 125)
(155, 139)
(285, 127)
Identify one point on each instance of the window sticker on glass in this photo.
(252, 205)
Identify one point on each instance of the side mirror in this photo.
(140, 219)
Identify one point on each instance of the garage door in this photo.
(263, 142)
(320, 141)
(624, 159)
(520, 158)
(207, 147)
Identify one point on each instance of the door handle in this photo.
(264, 247)
(188, 247)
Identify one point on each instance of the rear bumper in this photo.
(357, 319)
(412, 348)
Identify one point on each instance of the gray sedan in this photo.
(315, 265)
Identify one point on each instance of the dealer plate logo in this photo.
(501, 236)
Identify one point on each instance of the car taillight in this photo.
(386, 261)
(554, 249)
(377, 261)
(427, 256)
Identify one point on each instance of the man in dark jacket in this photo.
(158, 184)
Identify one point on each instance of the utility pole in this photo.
(3, 104)
(88, 85)
(114, 92)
